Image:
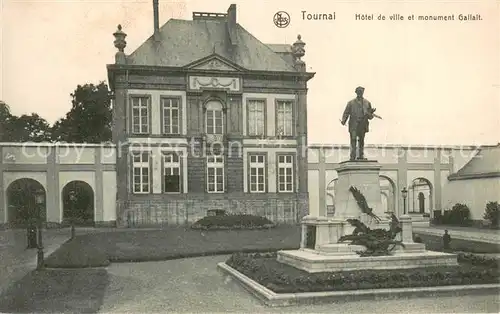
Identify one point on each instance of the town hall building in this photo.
(205, 116)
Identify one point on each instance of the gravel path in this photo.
(195, 285)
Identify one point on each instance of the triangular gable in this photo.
(214, 62)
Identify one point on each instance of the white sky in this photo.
(433, 82)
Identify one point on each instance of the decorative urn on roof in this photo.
(298, 52)
(120, 44)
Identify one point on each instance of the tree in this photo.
(30, 128)
(5, 117)
(89, 120)
(26, 128)
(492, 213)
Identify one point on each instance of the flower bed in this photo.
(281, 278)
(238, 221)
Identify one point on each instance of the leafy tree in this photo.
(5, 117)
(89, 120)
(30, 128)
(492, 213)
(26, 128)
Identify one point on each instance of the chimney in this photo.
(231, 14)
(156, 19)
(231, 24)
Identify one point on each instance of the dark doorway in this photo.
(23, 208)
(82, 211)
(421, 202)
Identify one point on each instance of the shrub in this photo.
(478, 260)
(438, 217)
(237, 221)
(492, 213)
(459, 215)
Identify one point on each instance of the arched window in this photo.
(214, 118)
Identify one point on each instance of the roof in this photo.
(181, 42)
(486, 163)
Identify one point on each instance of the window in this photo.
(285, 173)
(215, 174)
(140, 166)
(256, 117)
(171, 172)
(171, 115)
(284, 118)
(140, 115)
(214, 118)
(257, 174)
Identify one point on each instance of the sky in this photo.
(433, 82)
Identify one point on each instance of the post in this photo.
(404, 192)
(72, 227)
(407, 232)
(72, 199)
(39, 200)
(39, 256)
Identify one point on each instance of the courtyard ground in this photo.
(16, 261)
(179, 286)
(195, 285)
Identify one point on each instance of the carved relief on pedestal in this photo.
(9, 157)
(211, 82)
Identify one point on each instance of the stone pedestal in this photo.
(320, 250)
(363, 175)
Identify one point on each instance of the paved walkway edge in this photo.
(272, 299)
(31, 264)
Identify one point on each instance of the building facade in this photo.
(427, 172)
(205, 116)
(444, 175)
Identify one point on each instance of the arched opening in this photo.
(82, 209)
(385, 201)
(420, 197)
(388, 195)
(421, 202)
(330, 198)
(214, 117)
(26, 202)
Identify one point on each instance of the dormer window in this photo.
(214, 118)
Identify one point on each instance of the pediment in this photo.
(214, 62)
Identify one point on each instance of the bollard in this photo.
(407, 232)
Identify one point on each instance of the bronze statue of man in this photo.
(360, 112)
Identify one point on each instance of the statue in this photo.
(360, 112)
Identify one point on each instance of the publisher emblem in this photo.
(281, 19)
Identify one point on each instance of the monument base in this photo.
(314, 261)
(321, 252)
(357, 190)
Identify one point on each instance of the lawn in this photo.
(56, 291)
(101, 248)
(98, 249)
(435, 243)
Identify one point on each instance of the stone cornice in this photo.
(485, 175)
(402, 146)
(117, 69)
